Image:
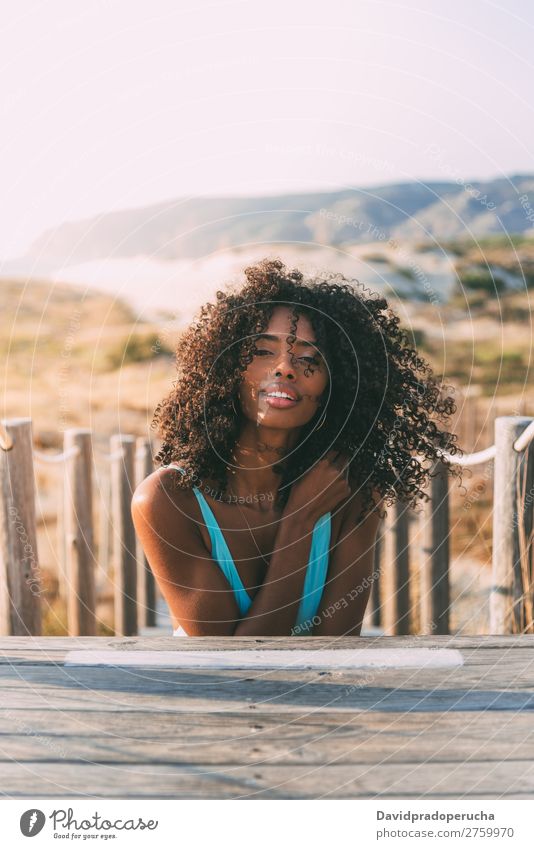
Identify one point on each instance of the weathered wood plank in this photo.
(434, 552)
(214, 694)
(486, 668)
(512, 470)
(395, 586)
(154, 732)
(79, 533)
(146, 585)
(124, 542)
(20, 571)
(278, 742)
(136, 724)
(508, 779)
(505, 676)
(18, 649)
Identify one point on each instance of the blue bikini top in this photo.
(316, 570)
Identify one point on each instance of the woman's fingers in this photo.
(333, 456)
(339, 460)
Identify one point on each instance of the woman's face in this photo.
(279, 369)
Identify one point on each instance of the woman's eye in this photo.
(261, 352)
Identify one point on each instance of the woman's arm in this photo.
(275, 606)
(197, 593)
(350, 573)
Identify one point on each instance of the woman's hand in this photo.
(320, 489)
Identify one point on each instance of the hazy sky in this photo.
(112, 103)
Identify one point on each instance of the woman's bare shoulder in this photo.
(160, 480)
(158, 498)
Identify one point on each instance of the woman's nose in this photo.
(286, 365)
(285, 370)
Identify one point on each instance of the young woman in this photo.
(299, 411)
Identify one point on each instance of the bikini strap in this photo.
(315, 574)
(221, 553)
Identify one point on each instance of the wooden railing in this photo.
(397, 605)
(427, 534)
(130, 461)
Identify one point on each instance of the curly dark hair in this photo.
(382, 394)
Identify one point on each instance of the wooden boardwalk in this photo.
(156, 731)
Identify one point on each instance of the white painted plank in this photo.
(269, 659)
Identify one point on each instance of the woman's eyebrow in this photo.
(271, 337)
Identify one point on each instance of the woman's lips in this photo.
(281, 403)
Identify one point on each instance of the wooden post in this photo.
(396, 584)
(512, 470)
(434, 552)
(104, 527)
(376, 610)
(61, 546)
(523, 588)
(146, 585)
(104, 589)
(79, 534)
(124, 554)
(20, 574)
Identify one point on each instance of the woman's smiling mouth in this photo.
(280, 396)
(280, 399)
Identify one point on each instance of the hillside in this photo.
(199, 226)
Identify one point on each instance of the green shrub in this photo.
(404, 271)
(135, 348)
(419, 337)
(481, 280)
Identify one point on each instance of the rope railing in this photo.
(71, 452)
(472, 459)
(525, 439)
(477, 457)
(6, 441)
(55, 458)
(115, 455)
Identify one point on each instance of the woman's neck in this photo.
(257, 450)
